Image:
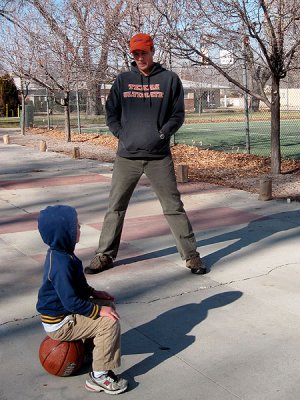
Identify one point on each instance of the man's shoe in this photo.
(108, 383)
(196, 265)
(100, 263)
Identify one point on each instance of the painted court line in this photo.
(58, 181)
(156, 225)
(146, 226)
(18, 223)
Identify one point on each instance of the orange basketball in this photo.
(61, 358)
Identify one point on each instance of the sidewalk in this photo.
(231, 334)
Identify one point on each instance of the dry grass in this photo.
(241, 171)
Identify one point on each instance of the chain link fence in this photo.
(217, 117)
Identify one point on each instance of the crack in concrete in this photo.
(15, 206)
(175, 295)
(209, 286)
(19, 319)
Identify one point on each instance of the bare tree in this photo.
(67, 45)
(14, 56)
(37, 56)
(94, 24)
(95, 33)
(261, 35)
(24, 93)
(143, 17)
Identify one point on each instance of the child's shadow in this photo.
(167, 335)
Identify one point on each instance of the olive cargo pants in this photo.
(161, 174)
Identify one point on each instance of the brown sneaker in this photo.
(100, 263)
(196, 265)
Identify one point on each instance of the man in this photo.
(144, 109)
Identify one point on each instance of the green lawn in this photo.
(231, 137)
(58, 120)
(12, 122)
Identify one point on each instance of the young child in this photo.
(71, 309)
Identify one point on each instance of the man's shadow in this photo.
(254, 232)
(168, 334)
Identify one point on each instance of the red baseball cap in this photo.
(141, 41)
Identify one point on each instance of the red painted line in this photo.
(18, 223)
(156, 225)
(57, 181)
(146, 226)
(40, 258)
(200, 187)
(191, 187)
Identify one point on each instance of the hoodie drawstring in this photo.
(142, 83)
(149, 91)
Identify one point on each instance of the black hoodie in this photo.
(144, 111)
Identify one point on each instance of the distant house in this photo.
(197, 95)
(202, 95)
(290, 99)
(204, 89)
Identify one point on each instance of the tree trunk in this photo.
(275, 127)
(254, 104)
(23, 115)
(94, 105)
(67, 116)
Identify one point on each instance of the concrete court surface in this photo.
(231, 334)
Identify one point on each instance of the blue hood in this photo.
(58, 227)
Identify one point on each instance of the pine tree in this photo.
(8, 96)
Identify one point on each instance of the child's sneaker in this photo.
(109, 383)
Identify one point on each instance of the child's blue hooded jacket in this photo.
(64, 289)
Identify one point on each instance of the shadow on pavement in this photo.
(255, 231)
(167, 335)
